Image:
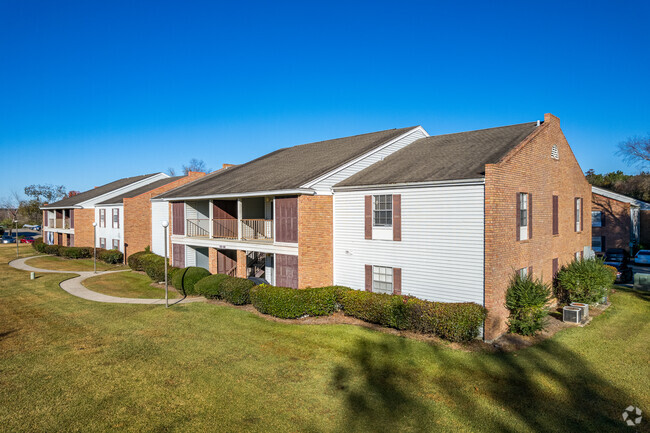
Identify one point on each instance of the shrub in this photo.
(288, 303)
(76, 253)
(135, 260)
(154, 266)
(210, 286)
(185, 279)
(51, 249)
(527, 300)
(371, 307)
(236, 290)
(586, 280)
(39, 245)
(111, 256)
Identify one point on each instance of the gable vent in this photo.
(555, 154)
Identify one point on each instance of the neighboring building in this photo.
(124, 221)
(69, 222)
(451, 218)
(617, 220)
(272, 216)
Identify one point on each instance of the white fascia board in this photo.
(620, 197)
(225, 244)
(438, 183)
(90, 203)
(365, 155)
(60, 207)
(303, 191)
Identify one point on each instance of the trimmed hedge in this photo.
(210, 286)
(52, 250)
(39, 245)
(186, 278)
(288, 303)
(76, 252)
(378, 308)
(112, 257)
(135, 260)
(236, 290)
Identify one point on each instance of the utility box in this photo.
(641, 281)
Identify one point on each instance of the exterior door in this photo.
(286, 271)
(178, 256)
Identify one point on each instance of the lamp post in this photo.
(95, 247)
(17, 241)
(165, 224)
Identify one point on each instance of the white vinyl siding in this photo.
(441, 252)
(190, 256)
(323, 186)
(108, 231)
(159, 213)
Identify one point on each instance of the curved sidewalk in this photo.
(74, 287)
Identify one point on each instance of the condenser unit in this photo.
(583, 307)
(572, 314)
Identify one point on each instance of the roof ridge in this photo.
(481, 130)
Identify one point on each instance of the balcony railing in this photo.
(54, 223)
(251, 229)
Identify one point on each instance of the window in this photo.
(116, 244)
(596, 218)
(578, 255)
(382, 210)
(116, 218)
(555, 154)
(382, 279)
(102, 217)
(578, 213)
(523, 272)
(102, 243)
(597, 243)
(523, 216)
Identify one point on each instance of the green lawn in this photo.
(63, 264)
(128, 285)
(67, 364)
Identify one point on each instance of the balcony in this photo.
(58, 223)
(258, 229)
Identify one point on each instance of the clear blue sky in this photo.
(91, 92)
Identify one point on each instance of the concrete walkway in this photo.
(75, 288)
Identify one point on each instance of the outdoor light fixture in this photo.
(95, 247)
(165, 224)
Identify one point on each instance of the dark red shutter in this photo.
(286, 268)
(45, 222)
(556, 219)
(178, 218)
(117, 214)
(397, 281)
(397, 217)
(582, 213)
(368, 216)
(368, 278)
(517, 220)
(530, 216)
(555, 267)
(575, 214)
(286, 219)
(530, 272)
(71, 218)
(178, 255)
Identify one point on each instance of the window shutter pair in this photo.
(397, 280)
(397, 217)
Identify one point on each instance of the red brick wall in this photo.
(529, 168)
(83, 227)
(315, 241)
(212, 260)
(241, 264)
(137, 214)
(618, 224)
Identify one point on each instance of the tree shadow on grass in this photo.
(640, 294)
(545, 388)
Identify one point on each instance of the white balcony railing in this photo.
(198, 228)
(257, 229)
(250, 229)
(54, 223)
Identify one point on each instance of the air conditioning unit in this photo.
(572, 314)
(583, 307)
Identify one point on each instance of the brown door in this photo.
(178, 253)
(286, 219)
(227, 262)
(59, 238)
(286, 271)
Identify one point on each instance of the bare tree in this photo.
(171, 171)
(196, 165)
(11, 205)
(45, 193)
(635, 150)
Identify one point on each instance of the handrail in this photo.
(198, 227)
(224, 228)
(257, 228)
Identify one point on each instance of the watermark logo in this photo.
(632, 416)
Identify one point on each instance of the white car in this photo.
(642, 257)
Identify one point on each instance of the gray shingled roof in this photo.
(461, 155)
(287, 168)
(136, 192)
(98, 191)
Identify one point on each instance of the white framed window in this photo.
(116, 244)
(523, 272)
(382, 210)
(578, 213)
(596, 218)
(523, 216)
(102, 243)
(597, 243)
(382, 279)
(102, 217)
(116, 218)
(579, 254)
